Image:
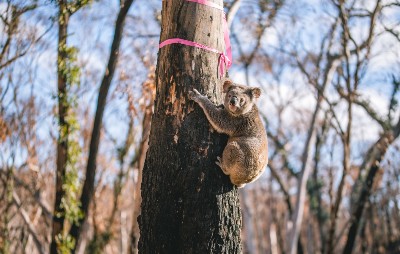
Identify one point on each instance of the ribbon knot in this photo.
(223, 62)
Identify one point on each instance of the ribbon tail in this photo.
(228, 47)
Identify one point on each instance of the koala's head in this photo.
(239, 99)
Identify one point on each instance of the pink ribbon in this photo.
(228, 47)
(224, 59)
(208, 3)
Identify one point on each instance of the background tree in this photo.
(66, 204)
(88, 186)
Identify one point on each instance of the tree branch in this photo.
(28, 223)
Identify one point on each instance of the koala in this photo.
(246, 154)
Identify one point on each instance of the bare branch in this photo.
(366, 106)
(393, 32)
(275, 174)
(232, 12)
(393, 104)
(28, 223)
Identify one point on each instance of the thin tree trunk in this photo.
(188, 204)
(346, 168)
(306, 169)
(62, 145)
(88, 186)
(232, 12)
(320, 139)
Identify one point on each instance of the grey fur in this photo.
(246, 153)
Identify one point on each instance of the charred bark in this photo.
(188, 204)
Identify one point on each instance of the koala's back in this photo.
(247, 149)
(249, 159)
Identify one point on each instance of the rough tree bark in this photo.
(188, 204)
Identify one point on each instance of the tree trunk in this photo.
(188, 204)
(294, 234)
(371, 165)
(62, 145)
(88, 186)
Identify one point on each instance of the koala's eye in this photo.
(241, 100)
(229, 96)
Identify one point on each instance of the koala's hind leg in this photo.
(231, 165)
(231, 158)
(240, 185)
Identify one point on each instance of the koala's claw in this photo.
(219, 162)
(194, 94)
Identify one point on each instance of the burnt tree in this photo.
(189, 205)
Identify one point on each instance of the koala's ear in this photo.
(227, 85)
(256, 92)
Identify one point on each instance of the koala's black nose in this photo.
(233, 100)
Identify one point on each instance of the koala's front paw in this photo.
(194, 95)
